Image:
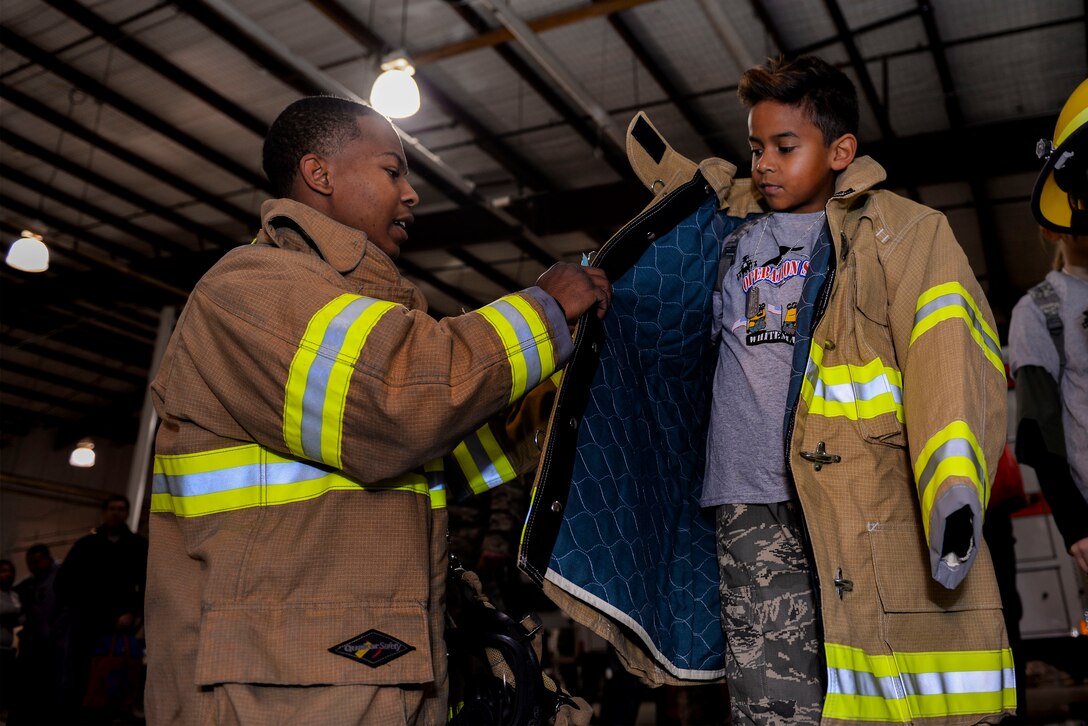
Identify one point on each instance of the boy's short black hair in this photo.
(115, 498)
(825, 93)
(315, 124)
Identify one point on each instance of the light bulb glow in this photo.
(395, 93)
(82, 456)
(28, 253)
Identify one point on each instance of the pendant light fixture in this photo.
(395, 93)
(28, 253)
(82, 456)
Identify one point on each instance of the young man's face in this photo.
(369, 189)
(791, 165)
(39, 563)
(115, 514)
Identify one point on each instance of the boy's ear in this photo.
(314, 173)
(842, 151)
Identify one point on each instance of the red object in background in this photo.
(1007, 491)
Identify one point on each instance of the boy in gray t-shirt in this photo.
(768, 605)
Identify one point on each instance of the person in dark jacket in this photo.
(100, 587)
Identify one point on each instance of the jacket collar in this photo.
(293, 225)
(861, 176)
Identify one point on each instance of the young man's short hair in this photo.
(115, 498)
(825, 93)
(315, 124)
(38, 549)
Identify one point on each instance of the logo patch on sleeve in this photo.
(373, 647)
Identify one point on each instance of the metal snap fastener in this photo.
(650, 236)
(574, 423)
(556, 507)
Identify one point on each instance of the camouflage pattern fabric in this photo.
(768, 615)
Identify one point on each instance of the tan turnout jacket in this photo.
(897, 422)
(298, 531)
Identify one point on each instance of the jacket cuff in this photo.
(557, 322)
(950, 570)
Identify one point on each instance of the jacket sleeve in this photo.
(505, 447)
(954, 386)
(358, 383)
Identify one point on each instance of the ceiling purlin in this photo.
(710, 133)
(107, 95)
(581, 124)
(877, 106)
(439, 284)
(68, 382)
(858, 31)
(157, 241)
(68, 126)
(113, 34)
(767, 20)
(502, 280)
(75, 358)
(25, 145)
(1000, 290)
(520, 168)
(78, 233)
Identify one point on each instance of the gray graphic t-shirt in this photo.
(755, 321)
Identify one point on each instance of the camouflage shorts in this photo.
(773, 661)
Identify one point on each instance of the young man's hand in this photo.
(577, 289)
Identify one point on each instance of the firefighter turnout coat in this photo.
(895, 420)
(298, 531)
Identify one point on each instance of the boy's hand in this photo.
(577, 289)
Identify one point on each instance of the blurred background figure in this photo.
(41, 643)
(100, 587)
(9, 620)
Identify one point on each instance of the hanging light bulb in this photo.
(28, 253)
(395, 93)
(83, 455)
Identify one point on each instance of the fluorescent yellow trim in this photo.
(510, 343)
(336, 390)
(295, 389)
(539, 330)
(956, 311)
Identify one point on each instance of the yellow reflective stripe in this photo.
(951, 301)
(524, 337)
(953, 451)
(850, 391)
(320, 373)
(539, 329)
(905, 686)
(434, 472)
(190, 485)
(483, 461)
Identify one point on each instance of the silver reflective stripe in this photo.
(947, 450)
(860, 683)
(932, 684)
(236, 477)
(525, 336)
(317, 378)
(488, 473)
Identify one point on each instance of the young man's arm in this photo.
(360, 384)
